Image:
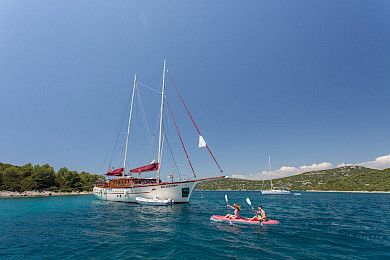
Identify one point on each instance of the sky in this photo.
(305, 82)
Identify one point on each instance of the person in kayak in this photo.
(261, 217)
(236, 211)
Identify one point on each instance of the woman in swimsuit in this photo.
(236, 211)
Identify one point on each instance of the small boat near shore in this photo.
(274, 190)
(245, 221)
(154, 202)
(281, 191)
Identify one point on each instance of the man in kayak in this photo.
(261, 217)
(236, 211)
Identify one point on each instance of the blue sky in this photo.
(306, 82)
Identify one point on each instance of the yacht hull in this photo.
(276, 192)
(179, 192)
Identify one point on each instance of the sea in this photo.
(313, 225)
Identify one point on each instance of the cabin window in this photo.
(185, 192)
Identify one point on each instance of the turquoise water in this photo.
(314, 225)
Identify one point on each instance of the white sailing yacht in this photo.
(274, 190)
(126, 188)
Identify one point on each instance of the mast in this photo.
(161, 121)
(269, 164)
(128, 128)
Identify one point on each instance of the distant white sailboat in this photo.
(274, 190)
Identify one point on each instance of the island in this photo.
(348, 178)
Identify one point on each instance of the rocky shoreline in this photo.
(42, 193)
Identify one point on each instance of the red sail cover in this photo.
(117, 172)
(146, 168)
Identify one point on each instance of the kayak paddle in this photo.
(227, 204)
(249, 202)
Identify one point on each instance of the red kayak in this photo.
(245, 221)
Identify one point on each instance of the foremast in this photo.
(128, 128)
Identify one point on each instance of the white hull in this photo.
(276, 192)
(179, 192)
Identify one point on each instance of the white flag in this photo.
(202, 142)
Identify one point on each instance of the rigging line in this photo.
(156, 129)
(180, 158)
(145, 122)
(146, 86)
(118, 133)
(168, 165)
(173, 158)
(170, 169)
(173, 119)
(193, 120)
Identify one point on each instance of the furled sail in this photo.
(147, 168)
(117, 172)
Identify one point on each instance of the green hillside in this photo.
(369, 181)
(348, 178)
(310, 180)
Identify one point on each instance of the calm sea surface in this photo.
(313, 225)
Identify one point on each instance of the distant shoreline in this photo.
(357, 191)
(10, 194)
(297, 191)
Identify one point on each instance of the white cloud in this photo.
(380, 163)
(285, 171)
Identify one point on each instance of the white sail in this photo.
(202, 142)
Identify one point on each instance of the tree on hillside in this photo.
(11, 179)
(26, 170)
(44, 176)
